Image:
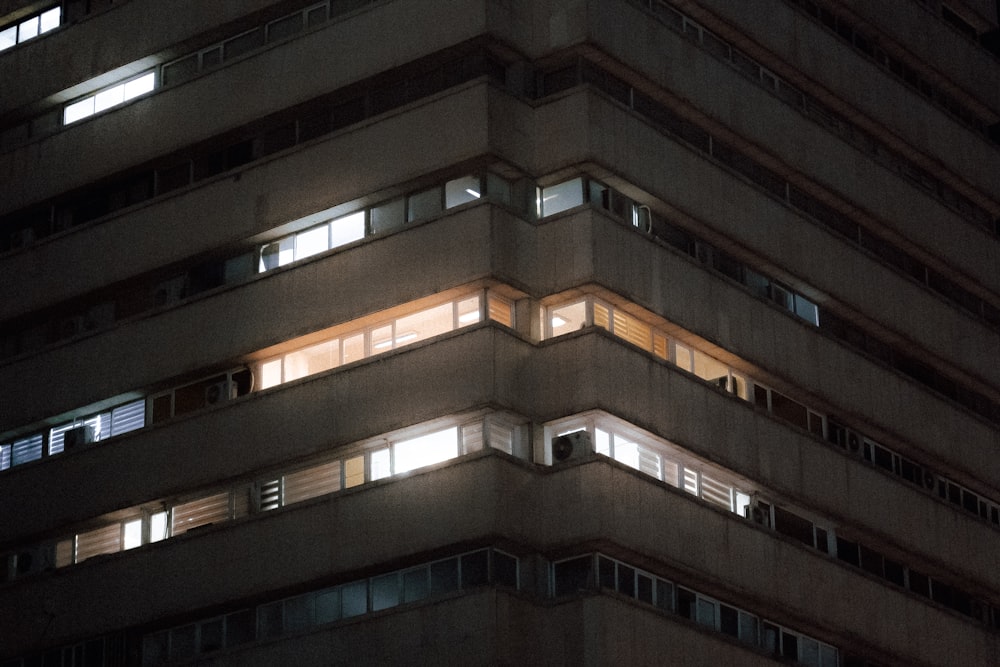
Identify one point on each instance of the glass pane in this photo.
(239, 628)
(416, 584)
(561, 197)
(355, 598)
(270, 373)
(423, 205)
(385, 591)
(573, 575)
(461, 191)
(748, 628)
(710, 369)
(380, 463)
(382, 339)
(298, 613)
(354, 348)
(8, 37)
(78, 110)
(182, 642)
(49, 19)
(278, 253)
(158, 526)
(468, 311)
(327, 606)
(132, 534)
(27, 29)
(426, 450)
(346, 229)
(682, 357)
(270, 620)
(706, 612)
(354, 471)
(313, 359)
(444, 575)
(140, 86)
(211, 635)
(387, 216)
(475, 569)
(312, 241)
(504, 569)
(565, 319)
(806, 309)
(109, 98)
(423, 324)
(809, 652)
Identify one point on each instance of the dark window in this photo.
(573, 575)
(444, 575)
(793, 525)
(475, 569)
(729, 621)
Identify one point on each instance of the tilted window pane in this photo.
(78, 110)
(140, 86)
(8, 37)
(560, 197)
(461, 191)
(132, 534)
(565, 319)
(270, 373)
(278, 253)
(380, 464)
(27, 29)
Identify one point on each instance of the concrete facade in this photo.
(748, 254)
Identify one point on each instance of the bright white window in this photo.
(158, 523)
(8, 37)
(426, 450)
(461, 191)
(270, 373)
(78, 110)
(312, 242)
(27, 29)
(109, 98)
(132, 534)
(49, 20)
(347, 229)
(380, 464)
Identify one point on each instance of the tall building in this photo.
(522, 332)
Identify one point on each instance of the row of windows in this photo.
(83, 315)
(204, 59)
(596, 571)
(582, 71)
(377, 458)
(666, 462)
(867, 45)
(321, 116)
(836, 326)
(574, 192)
(565, 317)
(317, 608)
(826, 116)
(347, 343)
(29, 28)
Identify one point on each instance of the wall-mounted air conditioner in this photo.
(571, 447)
(78, 436)
(220, 392)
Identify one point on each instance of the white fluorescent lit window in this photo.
(312, 241)
(560, 197)
(8, 37)
(78, 110)
(461, 191)
(346, 229)
(568, 318)
(49, 20)
(426, 450)
(380, 466)
(27, 29)
(158, 526)
(132, 534)
(270, 373)
(109, 98)
(140, 86)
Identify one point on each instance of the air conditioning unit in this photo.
(220, 392)
(78, 436)
(571, 447)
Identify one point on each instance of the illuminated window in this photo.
(109, 97)
(564, 319)
(461, 191)
(425, 450)
(30, 27)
